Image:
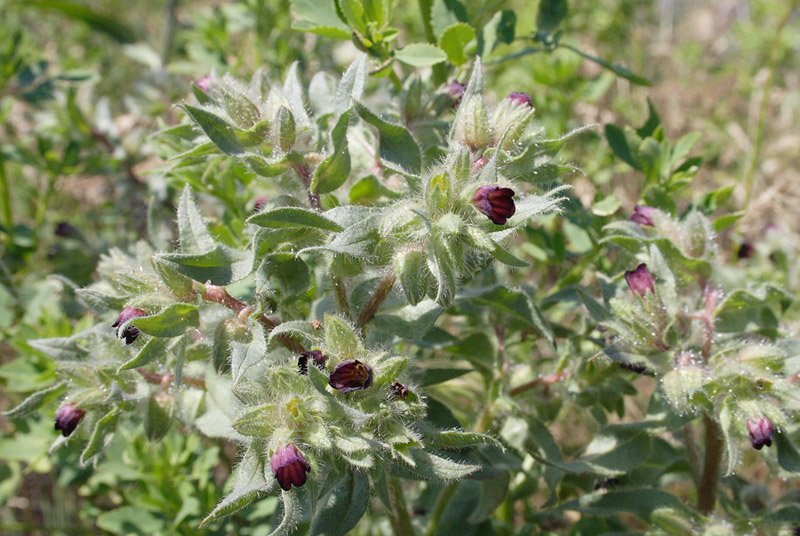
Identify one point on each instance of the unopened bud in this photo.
(130, 333)
(283, 129)
(510, 118)
(643, 215)
(696, 235)
(67, 418)
(412, 272)
(680, 384)
(472, 124)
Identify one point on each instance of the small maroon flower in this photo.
(260, 203)
(746, 251)
(350, 376)
(495, 202)
(520, 99)
(455, 90)
(289, 466)
(643, 215)
(640, 280)
(130, 332)
(760, 432)
(67, 418)
(399, 391)
(204, 83)
(318, 358)
(65, 230)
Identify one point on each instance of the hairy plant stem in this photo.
(217, 294)
(340, 292)
(707, 489)
(764, 108)
(377, 298)
(691, 450)
(305, 176)
(440, 507)
(401, 520)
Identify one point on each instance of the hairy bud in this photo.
(472, 126)
(510, 118)
(643, 215)
(761, 432)
(283, 129)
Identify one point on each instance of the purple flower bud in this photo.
(319, 359)
(643, 215)
(399, 391)
(67, 418)
(289, 466)
(204, 83)
(455, 90)
(260, 202)
(130, 332)
(520, 99)
(495, 202)
(350, 376)
(640, 280)
(760, 432)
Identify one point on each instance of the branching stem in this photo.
(340, 292)
(377, 298)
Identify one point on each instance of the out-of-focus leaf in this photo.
(342, 507)
(396, 144)
(420, 55)
(97, 21)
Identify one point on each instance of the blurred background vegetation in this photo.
(83, 86)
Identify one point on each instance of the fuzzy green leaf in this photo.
(293, 217)
(420, 55)
(396, 144)
(154, 348)
(217, 129)
(171, 322)
(103, 428)
(221, 265)
(332, 172)
(453, 41)
(36, 401)
(342, 508)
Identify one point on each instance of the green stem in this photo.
(5, 201)
(169, 34)
(440, 507)
(707, 490)
(762, 113)
(401, 520)
(439, 70)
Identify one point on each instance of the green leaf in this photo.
(513, 302)
(319, 18)
(103, 428)
(499, 29)
(332, 172)
(36, 401)
(342, 507)
(445, 13)
(455, 439)
(221, 265)
(352, 84)
(410, 322)
(340, 338)
(217, 129)
(433, 376)
(100, 301)
(493, 493)
(96, 21)
(420, 55)
(130, 520)
(286, 273)
(160, 413)
(292, 513)
(171, 322)
(726, 220)
(429, 466)
(453, 41)
(370, 188)
(619, 144)
(788, 457)
(246, 355)
(299, 330)
(249, 485)
(396, 144)
(550, 15)
(294, 217)
(192, 230)
(154, 348)
(639, 501)
(606, 206)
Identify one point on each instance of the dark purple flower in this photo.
(746, 251)
(260, 202)
(399, 391)
(520, 99)
(130, 332)
(319, 359)
(760, 432)
(289, 467)
(350, 376)
(455, 90)
(640, 280)
(643, 215)
(204, 83)
(67, 418)
(65, 230)
(495, 202)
